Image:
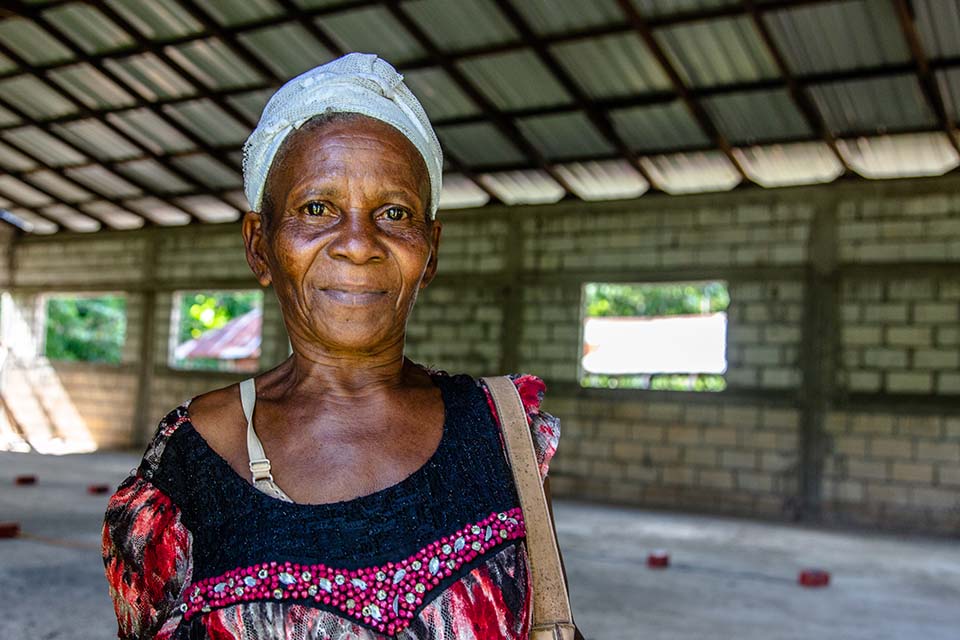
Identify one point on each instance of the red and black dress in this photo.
(192, 550)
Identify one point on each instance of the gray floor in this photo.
(729, 579)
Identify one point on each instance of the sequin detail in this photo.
(384, 597)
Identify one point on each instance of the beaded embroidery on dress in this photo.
(439, 555)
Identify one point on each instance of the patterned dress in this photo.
(192, 550)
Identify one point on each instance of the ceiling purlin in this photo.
(582, 102)
(810, 112)
(696, 109)
(494, 115)
(922, 66)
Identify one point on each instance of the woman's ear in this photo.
(431, 269)
(254, 243)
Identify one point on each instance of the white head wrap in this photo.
(355, 83)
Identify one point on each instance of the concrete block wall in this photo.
(866, 271)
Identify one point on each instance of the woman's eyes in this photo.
(315, 208)
(396, 214)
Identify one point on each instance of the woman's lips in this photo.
(354, 297)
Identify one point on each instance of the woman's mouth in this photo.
(354, 296)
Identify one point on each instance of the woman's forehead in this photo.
(351, 145)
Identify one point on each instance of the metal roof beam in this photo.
(693, 105)
(928, 83)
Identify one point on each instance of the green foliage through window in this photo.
(86, 329)
(647, 301)
(204, 311)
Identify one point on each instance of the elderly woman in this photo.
(348, 492)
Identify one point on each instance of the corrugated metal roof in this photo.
(251, 103)
(97, 139)
(13, 160)
(564, 135)
(238, 339)
(158, 211)
(150, 77)
(57, 186)
(558, 16)
(758, 116)
(8, 117)
(515, 80)
(208, 171)
(157, 19)
(103, 181)
(71, 218)
(656, 8)
(208, 121)
(724, 51)
(783, 165)
(116, 217)
(614, 65)
(212, 62)
(949, 82)
(238, 199)
(900, 156)
(461, 193)
(153, 175)
(523, 187)
(440, 96)
(875, 104)
(373, 30)
(836, 36)
(31, 42)
(88, 28)
(661, 126)
(22, 192)
(680, 173)
(6, 64)
(287, 49)
(482, 143)
(208, 209)
(150, 130)
(603, 180)
(92, 88)
(939, 25)
(461, 25)
(35, 98)
(34, 223)
(43, 146)
(230, 12)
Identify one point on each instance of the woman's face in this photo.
(348, 243)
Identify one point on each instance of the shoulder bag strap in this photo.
(551, 619)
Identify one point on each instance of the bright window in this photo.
(217, 330)
(670, 336)
(85, 328)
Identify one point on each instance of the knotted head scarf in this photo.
(355, 83)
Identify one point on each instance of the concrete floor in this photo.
(729, 578)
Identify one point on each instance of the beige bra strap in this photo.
(259, 464)
(551, 617)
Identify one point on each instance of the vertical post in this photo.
(148, 340)
(820, 344)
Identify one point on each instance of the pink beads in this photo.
(383, 597)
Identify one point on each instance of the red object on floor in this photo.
(9, 529)
(97, 489)
(814, 578)
(658, 560)
(26, 479)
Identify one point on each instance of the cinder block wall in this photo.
(843, 346)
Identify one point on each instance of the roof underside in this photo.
(125, 113)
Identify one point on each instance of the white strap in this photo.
(259, 464)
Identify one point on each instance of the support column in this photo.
(819, 360)
(142, 417)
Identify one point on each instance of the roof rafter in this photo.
(504, 124)
(928, 83)
(582, 102)
(693, 105)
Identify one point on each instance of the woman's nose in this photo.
(356, 239)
